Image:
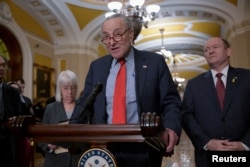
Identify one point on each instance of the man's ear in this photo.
(131, 36)
(229, 51)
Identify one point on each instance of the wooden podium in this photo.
(97, 135)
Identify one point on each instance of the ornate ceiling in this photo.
(74, 24)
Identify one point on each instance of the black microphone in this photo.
(88, 103)
(91, 98)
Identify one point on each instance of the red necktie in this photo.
(220, 89)
(119, 101)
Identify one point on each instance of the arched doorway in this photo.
(13, 48)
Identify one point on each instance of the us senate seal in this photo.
(97, 157)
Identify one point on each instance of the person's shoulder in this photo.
(50, 100)
(147, 53)
(10, 89)
(55, 103)
(53, 106)
(101, 60)
(199, 77)
(26, 98)
(242, 70)
(242, 74)
(150, 57)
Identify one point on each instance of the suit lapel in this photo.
(141, 69)
(105, 72)
(103, 79)
(232, 83)
(208, 83)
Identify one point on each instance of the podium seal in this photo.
(97, 157)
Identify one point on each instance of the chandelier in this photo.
(167, 54)
(171, 58)
(135, 10)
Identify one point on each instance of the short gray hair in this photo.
(126, 20)
(64, 77)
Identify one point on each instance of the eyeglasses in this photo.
(116, 37)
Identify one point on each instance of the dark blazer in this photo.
(54, 114)
(12, 107)
(12, 102)
(203, 120)
(27, 100)
(26, 106)
(155, 90)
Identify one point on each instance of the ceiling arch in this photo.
(74, 25)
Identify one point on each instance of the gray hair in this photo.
(126, 20)
(64, 77)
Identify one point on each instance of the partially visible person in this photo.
(26, 101)
(60, 110)
(23, 145)
(149, 88)
(14, 85)
(10, 106)
(50, 100)
(211, 126)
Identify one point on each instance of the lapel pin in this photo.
(234, 79)
(144, 66)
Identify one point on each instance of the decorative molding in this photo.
(240, 28)
(5, 13)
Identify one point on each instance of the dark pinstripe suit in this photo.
(155, 90)
(12, 107)
(202, 117)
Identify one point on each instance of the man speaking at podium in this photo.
(134, 82)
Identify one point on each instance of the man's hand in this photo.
(224, 145)
(170, 139)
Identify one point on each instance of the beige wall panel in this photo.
(240, 50)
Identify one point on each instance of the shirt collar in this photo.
(224, 71)
(129, 58)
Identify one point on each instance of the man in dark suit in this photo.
(10, 106)
(150, 88)
(212, 127)
(26, 101)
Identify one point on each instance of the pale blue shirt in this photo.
(131, 105)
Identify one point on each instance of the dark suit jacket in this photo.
(155, 90)
(26, 106)
(27, 100)
(54, 114)
(12, 102)
(203, 120)
(12, 107)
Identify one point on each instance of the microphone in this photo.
(88, 103)
(91, 98)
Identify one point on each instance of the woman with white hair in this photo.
(56, 112)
